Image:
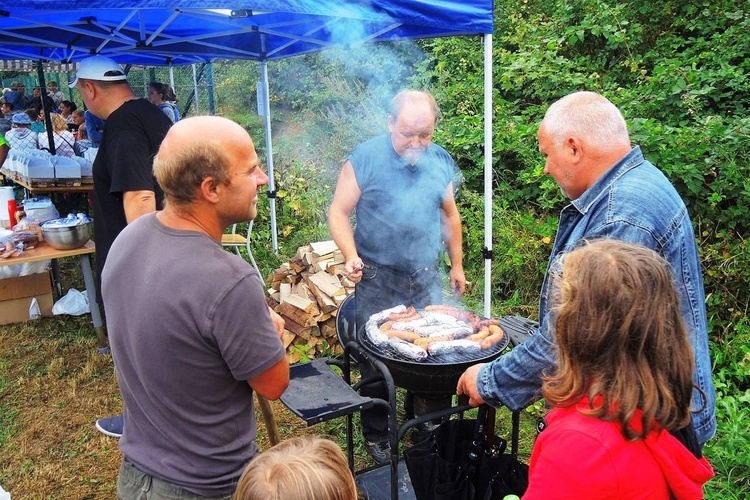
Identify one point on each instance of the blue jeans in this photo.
(382, 288)
(134, 484)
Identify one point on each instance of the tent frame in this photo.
(181, 32)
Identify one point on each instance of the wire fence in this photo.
(193, 84)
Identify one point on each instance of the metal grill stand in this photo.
(316, 394)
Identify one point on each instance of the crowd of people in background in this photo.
(23, 123)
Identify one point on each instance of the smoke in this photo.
(347, 91)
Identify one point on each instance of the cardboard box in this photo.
(17, 293)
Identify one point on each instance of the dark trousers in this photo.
(382, 288)
(134, 484)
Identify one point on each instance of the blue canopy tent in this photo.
(176, 32)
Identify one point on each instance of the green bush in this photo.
(729, 452)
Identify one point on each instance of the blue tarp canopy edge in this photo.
(190, 31)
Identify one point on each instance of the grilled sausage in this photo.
(386, 326)
(424, 342)
(482, 334)
(460, 314)
(402, 334)
(407, 315)
(496, 335)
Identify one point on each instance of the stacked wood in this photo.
(307, 291)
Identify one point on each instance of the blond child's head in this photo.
(302, 468)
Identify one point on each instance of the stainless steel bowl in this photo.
(66, 237)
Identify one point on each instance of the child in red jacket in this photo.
(622, 390)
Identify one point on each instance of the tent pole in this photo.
(47, 112)
(269, 153)
(487, 173)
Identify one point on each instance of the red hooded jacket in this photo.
(578, 456)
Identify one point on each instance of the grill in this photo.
(436, 374)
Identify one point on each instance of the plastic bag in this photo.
(34, 311)
(40, 209)
(74, 303)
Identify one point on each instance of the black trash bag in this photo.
(456, 461)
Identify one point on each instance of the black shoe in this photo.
(380, 451)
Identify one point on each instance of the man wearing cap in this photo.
(20, 136)
(124, 185)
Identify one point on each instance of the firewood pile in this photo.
(306, 292)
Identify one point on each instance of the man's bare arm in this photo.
(344, 200)
(137, 203)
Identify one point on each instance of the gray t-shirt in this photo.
(188, 326)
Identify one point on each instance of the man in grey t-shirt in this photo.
(191, 334)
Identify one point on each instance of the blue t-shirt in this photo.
(399, 220)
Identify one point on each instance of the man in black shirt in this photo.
(124, 185)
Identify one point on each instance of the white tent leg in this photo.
(487, 173)
(269, 154)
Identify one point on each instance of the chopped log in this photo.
(321, 265)
(303, 290)
(328, 329)
(301, 251)
(325, 303)
(293, 357)
(322, 248)
(307, 291)
(292, 326)
(287, 337)
(328, 284)
(339, 299)
(285, 289)
(302, 303)
(336, 268)
(297, 265)
(308, 258)
(297, 315)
